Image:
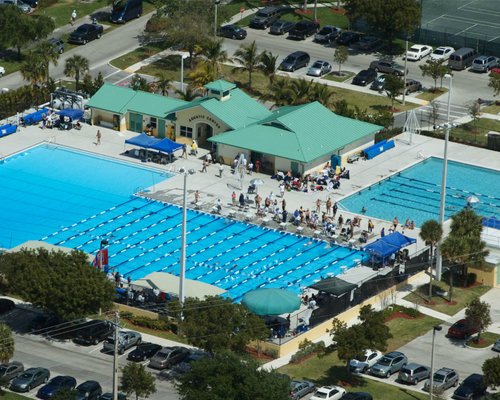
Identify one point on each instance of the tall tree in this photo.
(301, 90)
(494, 83)
(377, 333)
(340, 56)
(436, 69)
(216, 324)
(387, 17)
(322, 94)
(190, 93)
(474, 111)
(65, 284)
(34, 70)
(491, 371)
(215, 54)
(163, 83)
(249, 59)
(227, 376)
(268, 65)
(431, 233)
(139, 83)
(279, 92)
(136, 380)
(203, 73)
(6, 344)
(47, 54)
(75, 67)
(479, 313)
(394, 87)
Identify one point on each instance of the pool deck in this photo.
(363, 172)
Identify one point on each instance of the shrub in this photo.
(163, 324)
(46, 3)
(156, 24)
(307, 348)
(471, 278)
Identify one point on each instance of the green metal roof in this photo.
(237, 111)
(221, 85)
(153, 104)
(302, 133)
(111, 98)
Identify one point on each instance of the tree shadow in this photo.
(338, 375)
(10, 55)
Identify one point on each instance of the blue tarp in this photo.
(491, 222)
(388, 245)
(35, 117)
(166, 146)
(378, 148)
(75, 115)
(149, 142)
(7, 129)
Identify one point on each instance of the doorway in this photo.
(204, 131)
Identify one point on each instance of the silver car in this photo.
(319, 68)
(364, 362)
(496, 346)
(483, 63)
(390, 363)
(413, 373)
(443, 379)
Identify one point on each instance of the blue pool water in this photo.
(414, 193)
(145, 237)
(47, 187)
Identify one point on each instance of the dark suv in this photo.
(85, 33)
(232, 32)
(294, 61)
(265, 17)
(88, 390)
(471, 387)
(303, 29)
(327, 34)
(93, 332)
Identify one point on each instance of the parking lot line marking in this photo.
(466, 29)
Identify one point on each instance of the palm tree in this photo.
(33, 70)
(214, 51)
(48, 54)
(203, 73)
(322, 94)
(163, 83)
(268, 64)
(190, 93)
(279, 92)
(6, 344)
(75, 67)
(431, 233)
(249, 59)
(300, 91)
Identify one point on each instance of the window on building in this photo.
(152, 122)
(186, 131)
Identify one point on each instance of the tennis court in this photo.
(462, 23)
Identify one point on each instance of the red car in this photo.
(462, 329)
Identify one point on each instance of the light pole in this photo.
(216, 2)
(404, 79)
(442, 204)
(436, 328)
(183, 57)
(182, 274)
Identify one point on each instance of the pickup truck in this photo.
(126, 340)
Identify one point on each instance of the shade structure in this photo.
(257, 182)
(271, 301)
(472, 200)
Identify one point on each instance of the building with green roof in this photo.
(297, 138)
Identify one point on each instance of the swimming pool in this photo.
(145, 236)
(47, 187)
(414, 193)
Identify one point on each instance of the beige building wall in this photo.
(196, 117)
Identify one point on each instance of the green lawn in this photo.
(12, 396)
(346, 75)
(431, 94)
(475, 132)
(61, 11)
(329, 369)
(162, 334)
(170, 66)
(487, 339)
(493, 109)
(135, 56)
(460, 297)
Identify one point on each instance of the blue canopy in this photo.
(166, 146)
(75, 115)
(143, 140)
(388, 245)
(491, 222)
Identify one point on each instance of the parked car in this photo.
(265, 17)
(417, 52)
(462, 58)
(441, 53)
(6, 305)
(57, 44)
(327, 34)
(483, 63)
(303, 29)
(168, 357)
(143, 351)
(379, 83)
(347, 38)
(328, 393)
(55, 385)
(127, 339)
(319, 68)
(368, 43)
(471, 387)
(443, 378)
(184, 366)
(389, 364)
(30, 379)
(232, 32)
(2, 71)
(93, 332)
(387, 67)
(462, 329)
(294, 61)
(32, 3)
(85, 33)
(281, 27)
(357, 396)
(412, 86)
(25, 8)
(363, 362)
(299, 389)
(364, 77)
(496, 345)
(88, 390)
(413, 373)
(10, 370)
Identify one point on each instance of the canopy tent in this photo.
(143, 140)
(388, 245)
(334, 285)
(271, 301)
(166, 146)
(75, 115)
(169, 283)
